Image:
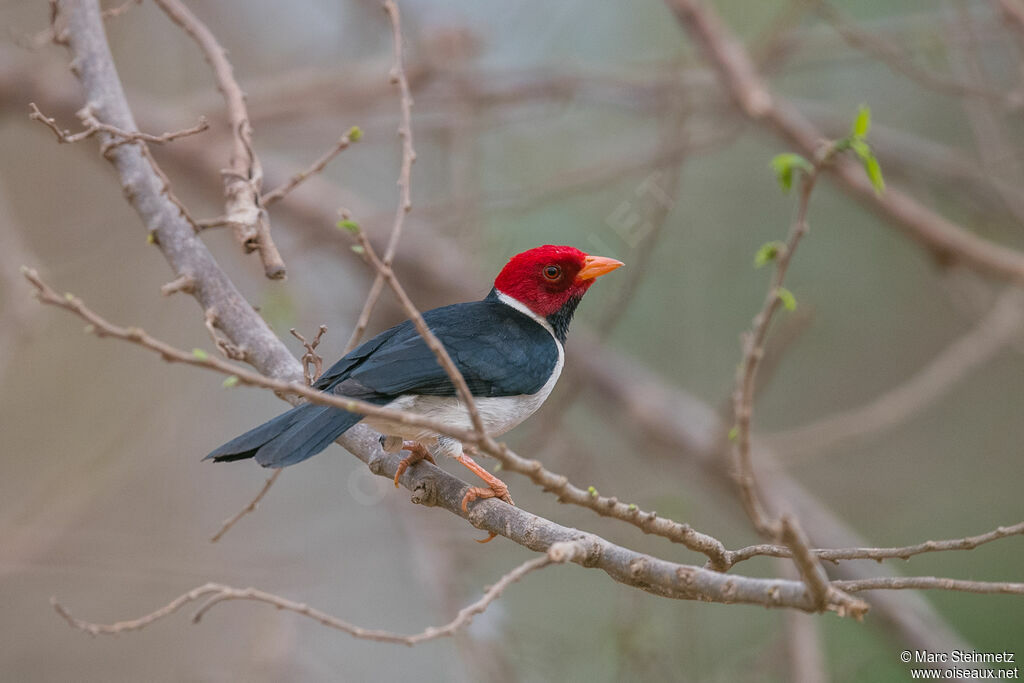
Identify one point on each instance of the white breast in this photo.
(499, 414)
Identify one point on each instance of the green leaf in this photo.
(785, 165)
(787, 298)
(632, 507)
(861, 124)
(358, 248)
(355, 134)
(767, 253)
(592, 491)
(874, 171)
(349, 224)
(230, 381)
(734, 432)
(860, 148)
(199, 354)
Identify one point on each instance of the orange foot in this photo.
(496, 489)
(417, 452)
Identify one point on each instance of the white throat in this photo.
(525, 310)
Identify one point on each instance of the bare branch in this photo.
(243, 180)
(222, 343)
(399, 78)
(312, 362)
(182, 283)
(879, 554)
(804, 648)
(251, 507)
(930, 583)
(317, 166)
(215, 593)
(753, 352)
(121, 137)
(806, 563)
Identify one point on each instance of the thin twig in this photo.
(399, 78)
(94, 126)
(215, 593)
(182, 283)
(317, 166)
(806, 563)
(930, 583)
(753, 352)
(879, 554)
(244, 178)
(312, 362)
(223, 344)
(251, 507)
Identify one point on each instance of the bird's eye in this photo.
(552, 272)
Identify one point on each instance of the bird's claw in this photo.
(478, 492)
(498, 490)
(417, 452)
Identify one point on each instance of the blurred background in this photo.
(889, 406)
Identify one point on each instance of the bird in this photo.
(509, 347)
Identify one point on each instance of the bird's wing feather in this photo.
(498, 350)
(341, 369)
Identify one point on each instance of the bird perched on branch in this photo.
(507, 346)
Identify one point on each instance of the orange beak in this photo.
(596, 266)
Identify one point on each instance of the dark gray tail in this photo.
(289, 438)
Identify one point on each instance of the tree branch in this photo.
(243, 180)
(343, 143)
(879, 554)
(398, 77)
(215, 593)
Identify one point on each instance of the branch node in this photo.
(183, 283)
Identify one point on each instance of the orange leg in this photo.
(496, 488)
(417, 452)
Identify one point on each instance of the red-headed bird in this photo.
(508, 348)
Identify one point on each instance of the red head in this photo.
(549, 277)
